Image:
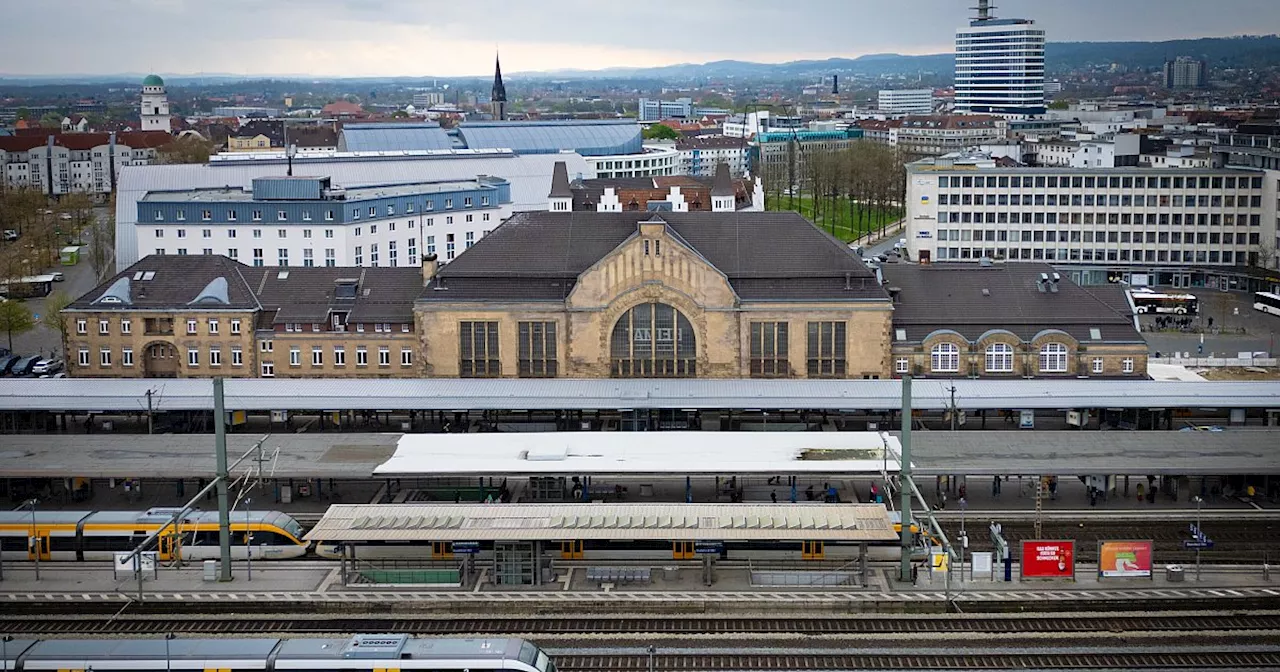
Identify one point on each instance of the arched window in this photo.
(653, 340)
(945, 358)
(1053, 358)
(999, 358)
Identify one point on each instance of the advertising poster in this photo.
(1046, 559)
(1124, 559)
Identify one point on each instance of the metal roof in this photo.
(643, 453)
(528, 175)
(552, 522)
(263, 394)
(384, 137)
(587, 138)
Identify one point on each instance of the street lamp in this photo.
(4, 645)
(33, 544)
(168, 666)
(248, 540)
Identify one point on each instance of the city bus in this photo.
(1155, 302)
(1267, 302)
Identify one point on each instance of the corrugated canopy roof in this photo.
(552, 522)
(392, 137)
(588, 138)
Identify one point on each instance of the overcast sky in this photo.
(458, 37)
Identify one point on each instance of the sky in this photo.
(357, 38)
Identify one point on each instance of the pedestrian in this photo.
(1093, 496)
(1053, 487)
(995, 487)
(962, 490)
(1141, 490)
(774, 496)
(1210, 322)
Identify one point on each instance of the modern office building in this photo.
(651, 109)
(999, 65)
(699, 155)
(906, 101)
(775, 150)
(935, 135)
(1186, 73)
(1143, 221)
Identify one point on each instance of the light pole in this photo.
(1198, 500)
(652, 650)
(168, 666)
(34, 543)
(248, 540)
(4, 644)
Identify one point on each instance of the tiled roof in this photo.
(305, 294)
(83, 141)
(765, 255)
(951, 296)
(160, 282)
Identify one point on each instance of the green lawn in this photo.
(841, 223)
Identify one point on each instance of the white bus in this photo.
(1154, 302)
(1267, 302)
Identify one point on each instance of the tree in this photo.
(15, 318)
(53, 318)
(185, 149)
(51, 120)
(660, 132)
(1059, 105)
(102, 242)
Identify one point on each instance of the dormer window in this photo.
(159, 216)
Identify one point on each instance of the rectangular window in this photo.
(84, 357)
(901, 365)
(82, 326)
(537, 350)
(406, 357)
(826, 350)
(1126, 365)
(215, 356)
(193, 357)
(213, 325)
(317, 357)
(191, 327)
(266, 346)
(206, 215)
(769, 350)
(237, 356)
(104, 327)
(104, 357)
(268, 369)
(1097, 365)
(339, 356)
(257, 215)
(235, 327)
(478, 350)
(126, 326)
(126, 357)
(362, 356)
(295, 356)
(384, 356)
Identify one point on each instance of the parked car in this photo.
(46, 366)
(23, 366)
(10, 235)
(58, 276)
(7, 362)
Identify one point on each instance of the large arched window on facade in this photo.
(1053, 358)
(944, 358)
(653, 340)
(999, 358)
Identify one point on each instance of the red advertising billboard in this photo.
(1045, 559)
(1124, 559)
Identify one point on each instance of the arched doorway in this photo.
(653, 340)
(160, 360)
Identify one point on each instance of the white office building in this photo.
(999, 66)
(651, 109)
(906, 101)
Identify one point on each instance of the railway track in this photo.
(794, 662)
(660, 625)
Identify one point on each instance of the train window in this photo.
(63, 544)
(13, 543)
(105, 543)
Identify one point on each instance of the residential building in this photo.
(311, 221)
(62, 163)
(192, 317)
(906, 101)
(656, 110)
(1186, 73)
(245, 111)
(1142, 221)
(1179, 156)
(682, 193)
(1014, 320)
(699, 155)
(655, 295)
(1113, 151)
(343, 109)
(275, 135)
(934, 135)
(762, 121)
(527, 176)
(999, 66)
(155, 105)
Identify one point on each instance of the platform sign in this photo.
(708, 547)
(1125, 559)
(982, 565)
(466, 547)
(1027, 420)
(126, 561)
(1048, 559)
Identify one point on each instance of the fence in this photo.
(1217, 362)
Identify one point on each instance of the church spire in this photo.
(498, 98)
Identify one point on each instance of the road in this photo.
(80, 279)
(1230, 311)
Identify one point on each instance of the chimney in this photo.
(895, 294)
(848, 280)
(1043, 283)
(430, 266)
(1053, 287)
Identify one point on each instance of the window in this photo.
(825, 350)
(237, 356)
(373, 211)
(182, 233)
(235, 327)
(193, 357)
(206, 215)
(215, 356)
(213, 325)
(362, 356)
(307, 259)
(206, 233)
(104, 327)
(82, 326)
(1126, 365)
(448, 203)
(999, 358)
(159, 233)
(231, 215)
(769, 346)
(944, 358)
(329, 258)
(317, 356)
(104, 357)
(1053, 358)
(901, 365)
(257, 256)
(339, 356)
(126, 326)
(478, 348)
(384, 356)
(84, 357)
(537, 350)
(191, 327)
(653, 340)
(282, 256)
(406, 357)
(373, 229)
(126, 357)
(268, 369)
(295, 356)
(1097, 365)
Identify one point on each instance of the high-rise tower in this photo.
(498, 100)
(155, 105)
(999, 65)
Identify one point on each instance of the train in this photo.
(371, 652)
(99, 535)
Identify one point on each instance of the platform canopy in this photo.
(558, 522)
(643, 454)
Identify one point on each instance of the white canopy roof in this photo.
(644, 453)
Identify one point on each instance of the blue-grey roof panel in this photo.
(394, 137)
(588, 138)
